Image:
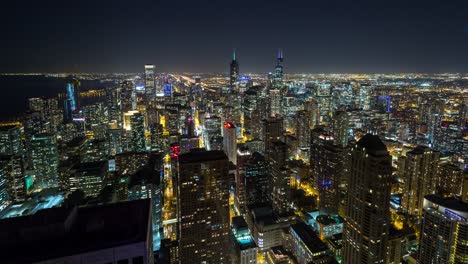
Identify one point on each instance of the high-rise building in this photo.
(5, 199)
(449, 180)
(419, 173)
(444, 233)
(147, 183)
(150, 88)
(275, 102)
(45, 160)
(327, 163)
(11, 142)
(367, 214)
(272, 131)
(230, 141)
(234, 71)
(89, 177)
(303, 129)
(73, 94)
(340, 128)
(278, 74)
(280, 188)
(256, 180)
(203, 207)
(13, 171)
(137, 124)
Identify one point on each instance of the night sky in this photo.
(198, 36)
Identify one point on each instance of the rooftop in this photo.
(58, 232)
(309, 237)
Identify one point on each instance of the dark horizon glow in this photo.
(335, 36)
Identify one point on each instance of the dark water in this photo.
(15, 91)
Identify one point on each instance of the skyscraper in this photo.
(272, 131)
(327, 169)
(150, 88)
(278, 75)
(73, 94)
(367, 214)
(45, 160)
(419, 173)
(137, 123)
(203, 207)
(230, 141)
(280, 189)
(444, 233)
(340, 128)
(234, 70)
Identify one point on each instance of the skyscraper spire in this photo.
(280, 54)
(234, 54)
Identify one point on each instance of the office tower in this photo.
(89, 177)
(150, 88)
(327, 164)
(11, 142)
(73, 94)
(280, 188)
(5, 199)
(234, 71)
(278, 74)
(444, 233)
(256, 180)
(230, 141)
(147, 183)
(137, 122)
(367, 214)
(449, 180)
(275, 102)
(303, 129)
(203, 207)
(44, 156)
(13, 171)
(419, 173)
(340, 128)
(109, 233)
(313, 111)
(365, 92)
(272, 130)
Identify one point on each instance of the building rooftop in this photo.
(450, 203)
(372, 142)
(58, 232)
(309, 237)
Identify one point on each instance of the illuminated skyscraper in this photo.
(272, 131)
(280, 189)
(203, 207)
(275, 102)
(150, 88)
(450, 180)
(327, 169)
(137, 121)
(11, 142)
(234, 71)
(303, 129)
(444, 233)
(45, 160)
(5, 199)
(73, 94)
(419, 173)
(230, 141)
(278, 75)
(256, 180)
(367, 214)
(340, 128)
